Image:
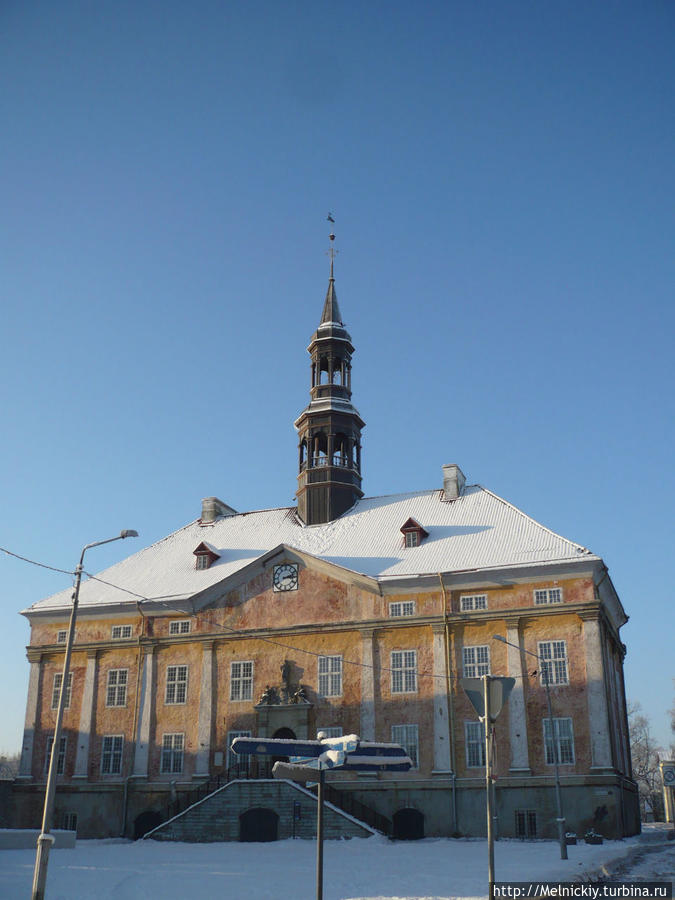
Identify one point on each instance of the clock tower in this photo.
(329, 429)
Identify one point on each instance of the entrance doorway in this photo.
(408, 825)
(258, 824)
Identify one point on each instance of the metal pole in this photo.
(488, 783)
(45, 839)
(558, 797)
(545, 671)
(319, 836)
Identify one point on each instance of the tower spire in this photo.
(329, 429)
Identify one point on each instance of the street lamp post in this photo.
(45, 839)
(545, 671)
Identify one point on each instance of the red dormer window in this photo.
(413, 533)
(205, 556)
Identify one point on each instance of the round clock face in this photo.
(285, 577)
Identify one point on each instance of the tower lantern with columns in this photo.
(329, 429)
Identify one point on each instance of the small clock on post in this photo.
(286, 577)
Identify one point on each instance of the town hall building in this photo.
(343, 614)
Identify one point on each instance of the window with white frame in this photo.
(473, 601)
(402, 608)
(544, 596)
(330, 676)
(553, 662)
(238, 761)
(476, 661)
(56, 690)
(176, 684)
(111, 754)
(61, 636)
(412, 538)
(404, 671)
(180, 626)
(60, 759)
(119, 632)
(408, 737)
(331, 731)
(475, 744)
(116, 693)
(241, 680)
(562, 742)
(173, 749)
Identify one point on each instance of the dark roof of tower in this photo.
(331, 310)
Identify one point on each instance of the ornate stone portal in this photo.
(285, 707)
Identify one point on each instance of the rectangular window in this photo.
(173, 746)
(526, 823)
(61, 636)
(407, 736)
(412, 539)
(330, 676)
(239, 763)
(202, 561)
(562, 742)
(554, 662)
(241, 680)
(119, 632)
(180, 626)
(547, 595)
(116, 694)
(176, 684)
(475, 601)
(475, 744)
(332, 731)
(111, 754)
(69, 821)
(404, 671)
(476, 661)
(56, 690)
(404, 608)
(61, 759)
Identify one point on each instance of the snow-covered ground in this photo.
(373, 869)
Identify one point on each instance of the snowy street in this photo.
(373, 869)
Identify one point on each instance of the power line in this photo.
(34, 563)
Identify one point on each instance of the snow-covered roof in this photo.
(476, 531)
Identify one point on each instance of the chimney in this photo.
(212, 508)
(453, 481)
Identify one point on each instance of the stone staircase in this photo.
(219, 815)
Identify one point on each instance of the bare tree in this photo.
(646, 755)
(9, 765)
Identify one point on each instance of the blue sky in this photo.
(502, 177)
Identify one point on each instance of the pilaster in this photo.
(30, 723)
(86, 716)
(520, 762)
(598, 714)
(205, 719)
(441, 712)
(147, 702)
(367, 723)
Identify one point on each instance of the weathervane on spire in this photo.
(331, 250)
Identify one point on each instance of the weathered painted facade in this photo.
(362, 623)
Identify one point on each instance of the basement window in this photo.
(205, 556)
(413, 533)
(526, 823)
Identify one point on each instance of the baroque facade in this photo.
(348, 615)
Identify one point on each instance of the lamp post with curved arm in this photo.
(545, 672)
(45, 839)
